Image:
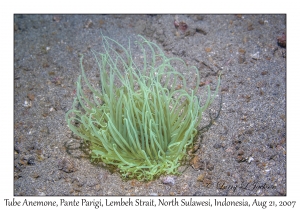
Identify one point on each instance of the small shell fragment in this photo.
(168, 180)
(27, 104)
(250, 159)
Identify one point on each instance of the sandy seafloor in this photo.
(243, 152)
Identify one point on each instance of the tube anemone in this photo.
(145, 125)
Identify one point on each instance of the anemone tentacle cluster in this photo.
(145, 125)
